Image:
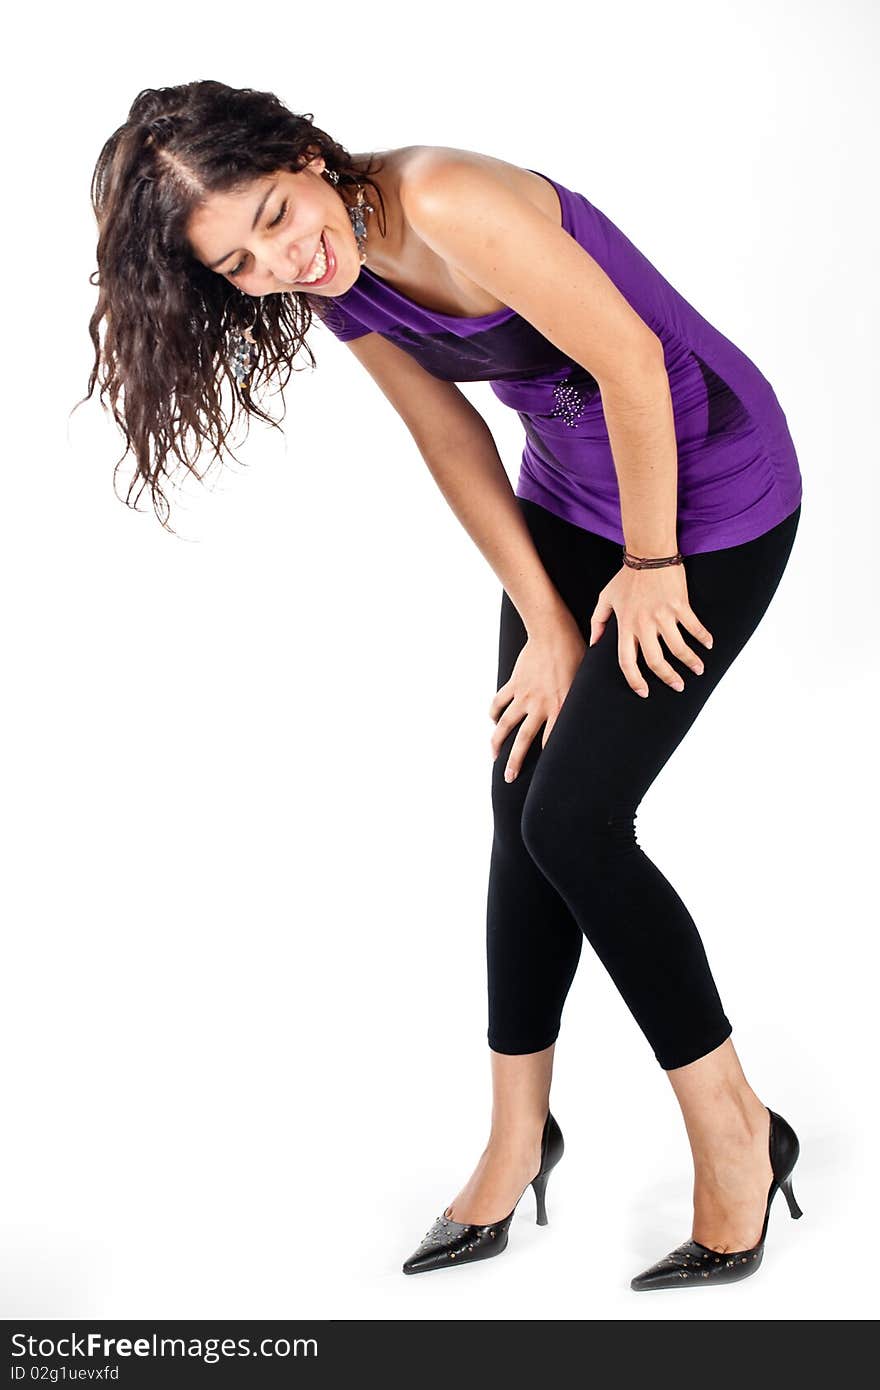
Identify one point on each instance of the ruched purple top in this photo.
(738, 472)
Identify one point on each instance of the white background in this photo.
(246, 772)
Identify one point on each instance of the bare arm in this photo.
(637, 406)
(460, 452)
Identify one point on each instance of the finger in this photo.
(509, 720)
(627, 652)
(548, 729)
(501, 698)
(679, 648)
(529, 727)
(653, 654)
(598, 620)
(691, 622)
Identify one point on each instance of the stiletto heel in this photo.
(449, 1243)
(690, 1263)
(540, 1185)
(790, 1198)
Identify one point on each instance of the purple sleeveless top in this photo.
(738, 472)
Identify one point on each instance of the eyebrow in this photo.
(257, 215)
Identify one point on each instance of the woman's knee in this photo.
(567, 836)
(508, 798)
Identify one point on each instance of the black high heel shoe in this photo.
(449, 1243)
(691, 1264)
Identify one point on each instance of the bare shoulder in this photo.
(437, 197)
(425, 172)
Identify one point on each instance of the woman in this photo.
(653, 517)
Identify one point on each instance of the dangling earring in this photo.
(357, 216)
(244, 349)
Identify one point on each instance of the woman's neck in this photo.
(386, 225)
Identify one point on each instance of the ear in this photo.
(315, 162)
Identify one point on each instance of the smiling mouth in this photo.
(318, 265)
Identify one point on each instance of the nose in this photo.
(288, 263)
(266, 271)
(274, 263)
(268, 276)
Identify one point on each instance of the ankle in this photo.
(518, 1133)
(735, 1126)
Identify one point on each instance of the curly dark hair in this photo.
(164, 363)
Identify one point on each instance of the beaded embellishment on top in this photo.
(569, 403)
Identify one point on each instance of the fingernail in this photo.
(509, 774)
(678, 685)
(709, 644)
(643, 693)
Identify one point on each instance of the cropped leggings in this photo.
(565, 863)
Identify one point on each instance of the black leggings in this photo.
(565, 862)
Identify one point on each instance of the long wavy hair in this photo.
(163, 363)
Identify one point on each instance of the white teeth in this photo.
(320, 264)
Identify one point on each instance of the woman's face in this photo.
(266, 239)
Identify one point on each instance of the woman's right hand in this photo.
(534, 694)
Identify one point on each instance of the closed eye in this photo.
(276, 222)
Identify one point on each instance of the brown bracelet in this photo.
(637, 564)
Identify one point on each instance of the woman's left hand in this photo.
(649, 604)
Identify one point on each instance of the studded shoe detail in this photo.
(449, 1243)
(692, 1265)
